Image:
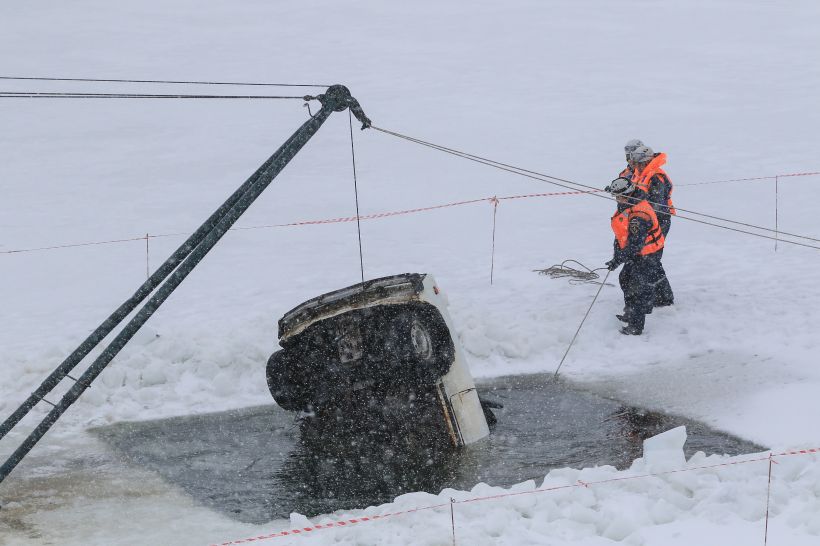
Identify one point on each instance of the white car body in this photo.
(455, 389)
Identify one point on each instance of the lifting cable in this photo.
(41, 95)
(356, 192)
(574, 337)
(596, 192)
(100, 80)
(593, 190)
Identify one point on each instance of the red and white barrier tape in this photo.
(379, 214)
(577, 484)
(797, 452)
(330, 525)
(72, 245)
(300, 223)
(368, 216)
(750, 179)
(551, 194)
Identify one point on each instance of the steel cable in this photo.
(596, 192)
(492, 162)
(356, 193)
(555, 375)
(102, 80)
(47, 95)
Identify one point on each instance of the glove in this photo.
(612, 264)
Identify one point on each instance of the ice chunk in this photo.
(619, 528)
(665, 451)
(152, 375)
(297, 521)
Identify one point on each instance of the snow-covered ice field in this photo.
(727, 88)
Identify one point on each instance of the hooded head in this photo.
(641, 155)
(630, 146)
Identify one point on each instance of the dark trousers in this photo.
(638, 279)
(663, 290)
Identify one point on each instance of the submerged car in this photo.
(378, 358)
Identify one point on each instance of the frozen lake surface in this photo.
(252, 465)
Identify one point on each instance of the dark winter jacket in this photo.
(660, 189)
(638, 230)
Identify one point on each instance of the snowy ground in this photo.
(728, 89)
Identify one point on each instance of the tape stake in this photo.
(453, 519)
(768, 497)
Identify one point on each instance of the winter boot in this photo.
(630, 330)
(663, 293)
(622, 318)
(635, 325)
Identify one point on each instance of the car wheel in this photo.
(420, 345)
(287, 390)
(421, 341)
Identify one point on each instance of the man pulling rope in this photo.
(638, 242)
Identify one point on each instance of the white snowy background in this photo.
(728, 89)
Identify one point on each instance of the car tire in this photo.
(287, 389)
(421, 343)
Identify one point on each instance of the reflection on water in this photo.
(260, 464)
(342, 460)
(362, 474)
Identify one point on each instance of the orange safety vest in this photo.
(643, 178)
(620, 226)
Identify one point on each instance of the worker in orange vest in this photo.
(649, 177)
(629, 147)
(638, 242)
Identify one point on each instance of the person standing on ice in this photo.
(638, 242)
(629, 147)
(649, 177)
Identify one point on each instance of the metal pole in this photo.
(147, 259)
(768, 496)
(492, 255)
(337, 98)
(131, 303)
(776, 198)
(453, 519)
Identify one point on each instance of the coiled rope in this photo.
(584, 275)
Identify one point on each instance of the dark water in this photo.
(255, 466)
